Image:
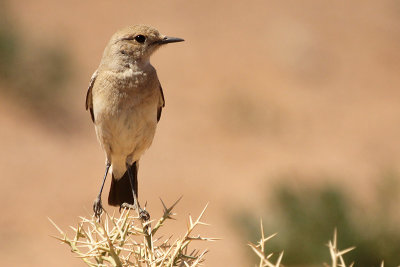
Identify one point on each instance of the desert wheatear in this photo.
(125, 100)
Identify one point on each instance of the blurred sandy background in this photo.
(259, 89)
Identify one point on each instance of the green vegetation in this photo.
(35, 75)
(265, 257)
(305, 217)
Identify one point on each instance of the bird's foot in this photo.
(127, 206)
(97, 207)
(143, 214)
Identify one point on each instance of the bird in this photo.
(125, 100)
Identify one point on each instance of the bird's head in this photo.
(135, 44)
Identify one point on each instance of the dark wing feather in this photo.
(89, 102)
(161, 104)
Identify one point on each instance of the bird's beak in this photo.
(168, 39)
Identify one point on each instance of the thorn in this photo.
(190, 221)
(55, 225)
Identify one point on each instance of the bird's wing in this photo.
(161, 104)
(89, 102)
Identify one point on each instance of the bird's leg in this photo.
(97, 206)
(143, 214)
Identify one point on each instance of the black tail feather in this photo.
(121, 191)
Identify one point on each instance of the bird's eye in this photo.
(140, 38)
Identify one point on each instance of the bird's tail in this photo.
(121, 190)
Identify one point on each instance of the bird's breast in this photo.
(125, 112)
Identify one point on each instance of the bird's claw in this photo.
(143, 214)
(97, 207)
(127, 206)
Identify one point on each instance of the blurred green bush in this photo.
(35, 75)
(305, 218)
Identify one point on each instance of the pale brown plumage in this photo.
(125, 100)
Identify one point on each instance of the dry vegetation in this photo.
(124, 240)
(127, 241)
(265, 259)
